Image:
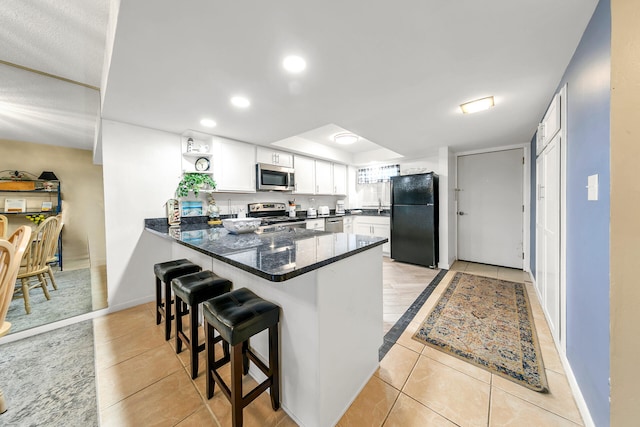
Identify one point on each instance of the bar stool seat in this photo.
(165, 272)
(237, 316)
(191, 290)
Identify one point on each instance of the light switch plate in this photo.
(592, 187)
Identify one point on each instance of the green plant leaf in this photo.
(194, 182)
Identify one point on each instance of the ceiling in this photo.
(393, 75)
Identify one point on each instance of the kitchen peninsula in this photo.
(329, 286)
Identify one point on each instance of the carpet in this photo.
(487, 322)
(49, 379)
(72, 298)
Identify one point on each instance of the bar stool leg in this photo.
(237, 367)
(158, 301)
(167, 311)
(179, 312)
(274, 367)
(211, 359)
(193, 341)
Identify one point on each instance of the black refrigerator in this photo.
(414, 219)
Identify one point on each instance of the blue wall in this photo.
(588, 86)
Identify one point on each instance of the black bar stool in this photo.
(166, 272)
(237, 316)
(191, 290)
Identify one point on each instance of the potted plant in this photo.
(194, 182)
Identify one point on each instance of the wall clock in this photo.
(202, 164)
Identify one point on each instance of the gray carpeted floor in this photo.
(72, 298)
(49, 379)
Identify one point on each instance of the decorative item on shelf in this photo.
(48, 177)
(213, 211)
(173, 212)
(202, 164)
(15, 205)
(194, 182)
(189, 145)
(36, 219)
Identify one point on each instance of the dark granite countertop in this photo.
(276, 256)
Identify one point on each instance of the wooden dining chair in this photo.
(34, 261)
(52, 256)
(11, 252)
(4, 225)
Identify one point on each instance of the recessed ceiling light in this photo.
(208, 123)
(477, 105)
(345, 138)
(294, 64)
(240, 101)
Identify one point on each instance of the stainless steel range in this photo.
(273, 215)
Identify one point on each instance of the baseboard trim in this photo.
(573, 383)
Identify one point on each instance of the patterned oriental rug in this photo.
(487, 322)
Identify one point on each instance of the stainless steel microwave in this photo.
(274, 178)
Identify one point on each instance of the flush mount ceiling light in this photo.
(208, 123)
(345, 138)
(477, 105)
(294, 64)
(240, 102)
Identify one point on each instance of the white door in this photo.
(490, 208)
(548, 232)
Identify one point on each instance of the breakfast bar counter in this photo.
(329, 288)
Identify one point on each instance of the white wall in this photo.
(141, 170)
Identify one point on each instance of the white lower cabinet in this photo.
(315, 224)
(347, 224)
(378, 226)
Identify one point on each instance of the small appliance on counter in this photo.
(340, 207)
(323, 210)
(311, 213)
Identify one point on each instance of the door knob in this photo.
(460, 213)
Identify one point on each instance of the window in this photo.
(377, 174)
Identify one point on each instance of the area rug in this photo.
(72, 298)
(487, 322)
(49, 379)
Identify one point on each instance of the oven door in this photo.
(274, 178)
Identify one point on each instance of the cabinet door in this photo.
(305, 175)
(234, 166)
(381, 230)
(339, 179)
(361, 227)
(315, 224)
(324, 177)
(347, 225)
(550, 125)
(273, 157)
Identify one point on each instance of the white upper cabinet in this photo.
(339, 179)
(550, 124)
(273, 157)
(305, 175)
(234, 166)
(324, 177)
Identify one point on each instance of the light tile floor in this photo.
(141, 381)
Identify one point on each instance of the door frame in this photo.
(526, 195)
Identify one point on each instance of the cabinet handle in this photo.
(317, 188)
